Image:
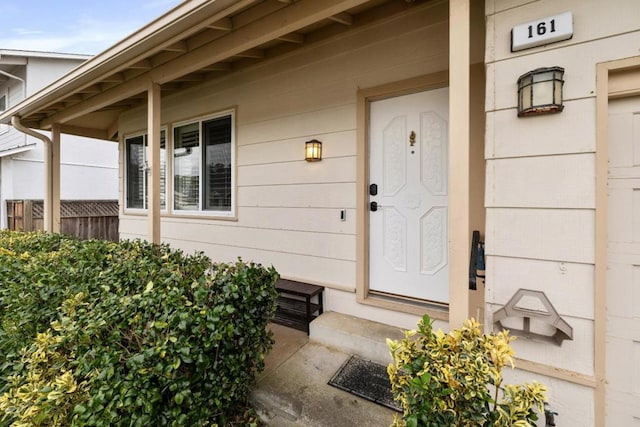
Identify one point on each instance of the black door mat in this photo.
(366, 379)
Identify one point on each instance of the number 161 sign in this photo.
(542, 31)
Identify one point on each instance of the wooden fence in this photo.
(85, 219)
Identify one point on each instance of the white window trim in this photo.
(169, 209)
(127, 209)
(204, 213)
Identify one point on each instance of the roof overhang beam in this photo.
(276, 25)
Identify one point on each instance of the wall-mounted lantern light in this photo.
(313, 150)
(540, 91)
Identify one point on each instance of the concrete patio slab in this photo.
(293, 389)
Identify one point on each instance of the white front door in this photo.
(623, 269)
(408, 195)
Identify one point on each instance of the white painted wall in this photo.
(540, 188)
(41, 72)
(89, 167)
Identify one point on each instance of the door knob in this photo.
(373, 206)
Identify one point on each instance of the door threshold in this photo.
(406, 304)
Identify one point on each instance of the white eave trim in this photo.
(16, 150)
(39, 54)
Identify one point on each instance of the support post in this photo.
(459, 117)
(48, 195)
(55, 178)
(153, 188)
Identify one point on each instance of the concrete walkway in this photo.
(293, 389)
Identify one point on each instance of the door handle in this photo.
(373, 206)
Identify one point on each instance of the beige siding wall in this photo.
(289, 210)
(540, 190)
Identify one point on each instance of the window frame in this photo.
(201, 212)
(169, 209)
(125, 162)
(4, 94)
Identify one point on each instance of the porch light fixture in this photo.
(540, 91)
(313, 150)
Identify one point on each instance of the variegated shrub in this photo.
(455, 379)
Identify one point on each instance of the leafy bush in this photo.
(106, 334)
(443, 379)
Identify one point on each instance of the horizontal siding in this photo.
(592, 20)
(11, 139)
(325, 271)
(331, 195)
(289, 210)
(336, 144)
(301, 219)
(574, 403)
(579, 62)
(541, 234)
(560, 182)
(569, 286)
(493, 6)
(540, 189)
(337, 246)
(327, 171)
(319, 122)
(554, 355)
(565, 133)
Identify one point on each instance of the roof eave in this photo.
(155, 35)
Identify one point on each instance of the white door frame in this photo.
(365, 97)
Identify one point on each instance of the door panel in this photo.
(623, 264)
(408, 161)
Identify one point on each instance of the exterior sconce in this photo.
(313, 150)
(540, 91)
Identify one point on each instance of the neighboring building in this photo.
(89, 167)
(419, 98)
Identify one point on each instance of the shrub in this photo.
(455, 379)
(109, 334)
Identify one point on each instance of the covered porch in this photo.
(215, 42)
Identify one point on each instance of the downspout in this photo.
(48, 184)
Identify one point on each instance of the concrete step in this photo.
(354, 335)
(294, 389)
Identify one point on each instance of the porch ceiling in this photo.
(197, 41)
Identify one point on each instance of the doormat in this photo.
(366, 379)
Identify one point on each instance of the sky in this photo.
(74, 26)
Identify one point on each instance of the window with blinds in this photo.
(203, 166)
(137, 174)
(203, 170)
(136, 170)
(186, 167)
(217, 164)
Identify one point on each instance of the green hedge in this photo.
(98, 333)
